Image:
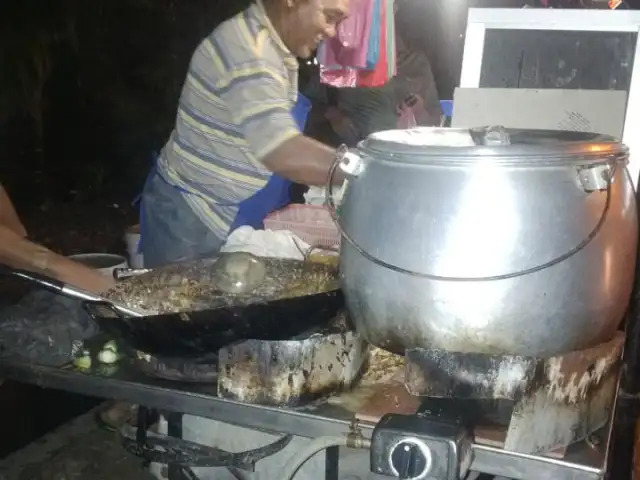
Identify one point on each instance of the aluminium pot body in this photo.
(520, 243)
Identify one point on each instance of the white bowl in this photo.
(105, 263)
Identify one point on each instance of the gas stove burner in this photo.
(508, 400)
(293, 373)
(549, 405)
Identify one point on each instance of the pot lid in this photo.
(492, 143)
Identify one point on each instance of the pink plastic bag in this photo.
(339, 77)
(406, 119)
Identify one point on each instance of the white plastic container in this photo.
(132, 239)
(105, 263)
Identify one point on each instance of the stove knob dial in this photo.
(410, 459)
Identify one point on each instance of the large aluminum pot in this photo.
(512, 242)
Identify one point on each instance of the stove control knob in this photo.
(410, 459)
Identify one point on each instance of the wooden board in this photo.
(391, 397)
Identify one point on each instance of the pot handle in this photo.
(607, 179)
(352, 166)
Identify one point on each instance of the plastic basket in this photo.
(312, 223)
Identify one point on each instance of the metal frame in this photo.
(481, 19)
(582, 461)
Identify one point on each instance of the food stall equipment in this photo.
(494, 402)
(443, 425)
(487, 306)
(509, 242)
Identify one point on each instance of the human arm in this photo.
(303, 160)
(258, 98)
(20, 253)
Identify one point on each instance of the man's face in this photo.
(311, 21)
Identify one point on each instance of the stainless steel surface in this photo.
(499, 146)
(122, 273)
(58, 287)
(582, 462)
(79, 294)
(541, 255)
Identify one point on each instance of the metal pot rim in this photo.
(522, 147)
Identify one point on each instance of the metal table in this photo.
(582, 462)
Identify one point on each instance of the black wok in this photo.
(193, 334)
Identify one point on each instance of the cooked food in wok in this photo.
(227, 280)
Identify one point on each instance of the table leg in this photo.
(174, 429)
(332, 465)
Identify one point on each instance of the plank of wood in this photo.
(391, 397)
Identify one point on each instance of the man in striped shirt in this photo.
(234, 127)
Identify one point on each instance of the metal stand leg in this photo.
(332, 463)
(174, 429)
(180, 455)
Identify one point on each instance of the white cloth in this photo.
(318, 195)
(266, 243)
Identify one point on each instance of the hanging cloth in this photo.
(379, 75)
(392, 70)
(373, 42)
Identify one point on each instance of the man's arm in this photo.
(303, 160)
(258, 99)
(18, 252)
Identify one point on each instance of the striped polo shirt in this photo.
(234, 110)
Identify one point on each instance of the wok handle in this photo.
(122, 273)
(48, 283)
(52, 284)
(61, 288)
